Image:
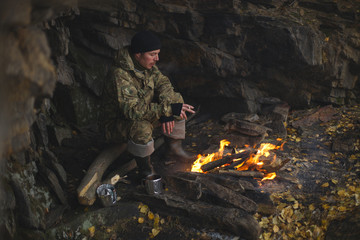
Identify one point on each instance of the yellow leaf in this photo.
(276, 228)
(341, 193)
(297, 139)
(155, 231)
(144, 209)
(140, 220)
(311, 207)
(325, 184)
(92, 231)
(325, 206)
(334, 181)
(267, 236)
(342, 208)
(352, 188)
(326, 39)
(150, 215)
(162, 221)
(296, 205)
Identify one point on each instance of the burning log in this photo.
(253, 174)
(227, 159)
(87, 188)
(228, 195)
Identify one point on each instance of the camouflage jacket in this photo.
(133, 95)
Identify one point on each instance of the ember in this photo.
(249, 159)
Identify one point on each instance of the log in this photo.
(87, 188)
(189, 189)
(226, 181)
(119, 173)
(228, 195)
(227, 159)
(233, 220)
(252, 174)
(246, 128)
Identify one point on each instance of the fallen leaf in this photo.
(325, 184)
(92, 231)
(144, 209)
(155, 231)
(150, 215)
(140, 220)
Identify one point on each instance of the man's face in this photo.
(148, 59)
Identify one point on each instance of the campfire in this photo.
(258, 161)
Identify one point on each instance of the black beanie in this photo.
(144, 41)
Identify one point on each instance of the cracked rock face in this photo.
(226, 54)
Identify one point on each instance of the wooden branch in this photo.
(120, 172)
(253, 174)
(227, 159)
(87, 188)
(228, 195)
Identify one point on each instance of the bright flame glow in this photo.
(269, 176)
(202, 160)
(252, 163)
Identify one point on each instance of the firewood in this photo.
(246, 128)
(226, 181)
(120, 172)
(234, 220)
(253, 174)
(228, 195)
(227, 159)
(188, 188)
(87, 188)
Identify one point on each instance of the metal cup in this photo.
(153, 184)
(107, 194)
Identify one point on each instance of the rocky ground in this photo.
(316, 194)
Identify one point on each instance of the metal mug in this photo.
(153, 184)
(107, 194)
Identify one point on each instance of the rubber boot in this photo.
(175, 151)
(145, 166)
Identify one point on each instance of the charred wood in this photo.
(252, 174)
(227, 159)
(228, 195)
(190, 189)
(246, 128)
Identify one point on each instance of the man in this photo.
(142, 98)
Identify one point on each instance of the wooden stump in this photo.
(87, 188)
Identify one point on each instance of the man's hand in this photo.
(186, 108)
(167, 127)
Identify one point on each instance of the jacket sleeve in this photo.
(166, 93)
(131, 105)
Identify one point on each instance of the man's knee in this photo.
(141, 132)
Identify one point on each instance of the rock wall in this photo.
(223, 55)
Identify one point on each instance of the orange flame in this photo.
(202, 160)
(269, 176)
(252, 163)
